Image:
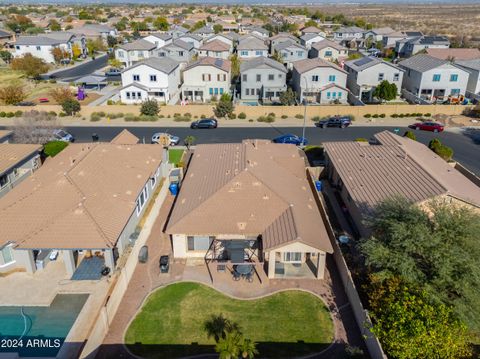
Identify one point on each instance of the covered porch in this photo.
(194, 94)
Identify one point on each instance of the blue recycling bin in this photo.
(173, 188)
(318, 185)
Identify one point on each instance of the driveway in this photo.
(80, 70)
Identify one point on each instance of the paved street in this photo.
(466, 147)
(82, 69)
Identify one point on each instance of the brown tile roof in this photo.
(396, 166)
(309, 64)
(81, 198)
(222, 64)
(11, 154)
(125, 138)
(456, 53)
(215, 45)
(250, 188)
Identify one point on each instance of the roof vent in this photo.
(241, 225)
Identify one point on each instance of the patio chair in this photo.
(236, 276)
(249, 277)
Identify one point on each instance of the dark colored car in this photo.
(205, 123)
(143, 254)
(164, 264)
(291, 139)
(25, 103)
(335, 121)
(427, 126)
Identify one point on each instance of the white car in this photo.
(174, 140)
(62, 135)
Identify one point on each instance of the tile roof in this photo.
(11, 154)
(4, 34)
(139, 44)
(422, 63)
(382, 31)
(327, 43)
(310, 36)
(215, 45)
(161, 35)
(164, 64)
(4, 134)
(179, 43)
(470, 64)
(81, 198)
(41, 40)
(367, 62)
(125, 137)
(396, 166)
(311, 30)
(454, 53)
(260, 187)
(288, 44)
(261, 62)
(221, 64)
(251, 43)
(283, 35)
(309, 64)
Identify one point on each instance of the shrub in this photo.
(299, 116)
(401, 115)
(428, 114)
(95, 117)
(410, 135)
(242, 115)
(361, 139)
(203, 116)
(110, 102)
(101, 114)
(316, 118)
(367, 115)
(18, 113)
(182, 119)
(375, 115)
(129, 117)
(70, 107)
(150, 108)
(267, 119)
(62, 114)
(445, 152)
(10, 114)
(161, 116)
(3, 114)
(53, 148)
(52, 113)
(284, 116)
(272, 114)
(232, 116)
(250, 120)
(12, 94)
(61, 94)
(382, 115)
(224, 107)
(188, 114)
(394, 115)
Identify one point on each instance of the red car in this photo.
(428, 126)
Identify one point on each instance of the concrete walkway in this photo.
(147, 278)
(107, 93)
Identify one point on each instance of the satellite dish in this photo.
(164, 140)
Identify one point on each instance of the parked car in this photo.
(62, 135)
(112, 71)
(143, 254)
(204, 123)
(335, 121)
(25, 103)
(164, 264)
(428, 126)
(174, 140)
(291, 139)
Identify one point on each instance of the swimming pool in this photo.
(39, 331)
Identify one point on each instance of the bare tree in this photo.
(35, 127)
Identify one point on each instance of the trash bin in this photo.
(318, 185)
(95, 137)
(173, 189)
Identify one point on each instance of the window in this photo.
(38, 48)
(210, 90)
(334, 94)
(339, 95)
(271, 77)
(161, 54)
(455, 92)
(258, 53)
(315, 78)
(128, 95)
(292, 257)
(244, 77)
(396, 77)
(153, 78)
(141, 200)
(140, 53)
(328, 94)
(243, 53)
(453, 78)
(180, 53)
(139, 95)
(328, 53)
(121, 54)
(331, 78)
(381, 76)
(217, 53)
(153, 181)
(17, 47)
(158, 94)
(206, 77)
(299, 53)
(216, 90)
(258, 92)
(259, 77)
(221, 91)
(6, 253)
(436, 78)
(136, 77)
(199, 243)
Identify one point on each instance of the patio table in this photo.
(243, 269)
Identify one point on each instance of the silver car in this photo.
(174, 140)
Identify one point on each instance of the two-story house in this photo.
(473, 67)
(328, 50)
(309, 39)
(378, 34)
(41, 46)
(366, 73)
(319, 81)
(192, 39)
(205, 31)
(351, 36)
(205, 78)
(227, 39)
(177, 31)
(312, 30)
(262, 79)
(155, 78)
(159, 39)
(281, 37)
(177, 50)
(390, 40)
(290, 52)
(132, 52)
(215, 48)
(250, 47)
(413, 46)
(433, 79)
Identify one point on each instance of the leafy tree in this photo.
(115, 63)
(161, 23)
(310, 23)
(437, 251)
(32, 66)
(224, 107)
(385, 91)
(235, 66)
(277, 57)
(59, 54)
(189, 141)
(70, 106)
(95, 45)
(19, 23)
(6, 56)
(288, 97)
(229, 346)
(55, 25)
(12, 94)
(410, 135)
(354, 56)
(76, 51)
(35, 30)
(121, 25)
(217, 28)
(198, 25)
(85, 15)
(61, 94)
(111, 41)
(411, 325)
(440, 149)
(150, 107)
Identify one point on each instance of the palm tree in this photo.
(248, 349)
(218, 326)
(229, 346)
(189, 141)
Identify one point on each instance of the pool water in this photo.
(39, 331)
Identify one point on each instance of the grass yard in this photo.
(174, 156)
(171, 323)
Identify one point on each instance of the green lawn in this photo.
(171, 323)
(174, 156)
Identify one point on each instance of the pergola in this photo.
(236, 252)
